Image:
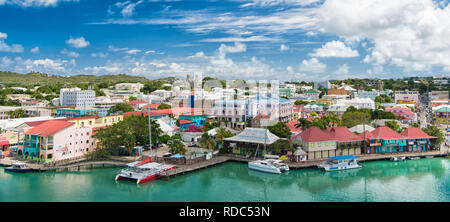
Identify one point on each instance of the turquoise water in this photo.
(411, 180)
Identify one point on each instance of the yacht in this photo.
(268, 166)
(143, 171)
(340, 163)
(18, 167)
(398, 159)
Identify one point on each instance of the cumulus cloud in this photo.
(51, 66)
(70, 53)
(8, 48)
(412, 34)
(342, 70)
(35, 49)
(335, 49)
(78, 42)
(313, 65)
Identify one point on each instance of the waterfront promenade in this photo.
(76, 165)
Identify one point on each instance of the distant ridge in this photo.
(43, 78)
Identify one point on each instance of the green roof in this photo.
(312, 91)
(442, 110)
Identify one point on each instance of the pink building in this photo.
(404, 113)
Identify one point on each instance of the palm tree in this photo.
(303, 124)
(207, 142)
(222, 133)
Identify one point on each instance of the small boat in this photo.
(414, 158)
(268, 166)
(429, 156)
(398, 159)
(5, 164)
(18, 168)
(143, 171)
(340, 163)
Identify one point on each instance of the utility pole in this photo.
(149, 123)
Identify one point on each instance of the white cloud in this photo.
(78, 42)
(51, 66)
(412, 34)
(311, 33)
(70, 53)
(35, 49)
(342, 70)
(270, 3)
(284, 47)
(128, 10)
(8, 48)
(334, 49)
(240, 39)
(133, 51)
(313, 65)
(99, 54)
(115, 49)
(34, 3)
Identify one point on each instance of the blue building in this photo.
(77, 112)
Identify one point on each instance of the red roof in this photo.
(343, 134)
(261, 116)
(291, 125)
(384, 132)
(186, 121)
(415, 133)
(30, 102)
(35, 123)
(315, 134)
(94, 129)
(49, 128)
(170, 111)
(368, 135)
(152, 106)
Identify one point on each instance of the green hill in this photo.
(43, 78)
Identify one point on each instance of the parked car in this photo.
(167, 154)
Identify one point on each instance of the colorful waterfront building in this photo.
(441, 115)
(198, 118)
(347, 143)
(418, 140)
(384, 140)
(319, 144)
(56, 140)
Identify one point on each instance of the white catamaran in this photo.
(340, 163)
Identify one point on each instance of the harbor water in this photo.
(410, 180)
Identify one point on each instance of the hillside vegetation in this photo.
(34, 78)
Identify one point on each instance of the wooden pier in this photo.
(182, 169)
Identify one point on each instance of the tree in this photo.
(132, 98)
(351, 119)
(164, 106)
(121, 107)
(18, 113)
(434, 131)
(383, 99)
(221, 134)
(207, 142)
(303, 124)
(280, 129)
(279, 147)
(300, 102)
(209, 126)
(177, 147)
(394, 126)
(129, 132)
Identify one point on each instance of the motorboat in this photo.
(398, 159)
(18, 168)
(340, 163)
(143, 171)
(268, 166)
(414, 158)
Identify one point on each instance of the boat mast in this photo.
(149, 124)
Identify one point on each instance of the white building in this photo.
(410, 97)
(77, 97)
(134, 87)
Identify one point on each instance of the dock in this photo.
(182, 169)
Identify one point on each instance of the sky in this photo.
(285, 40)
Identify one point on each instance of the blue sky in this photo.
(234, 39)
